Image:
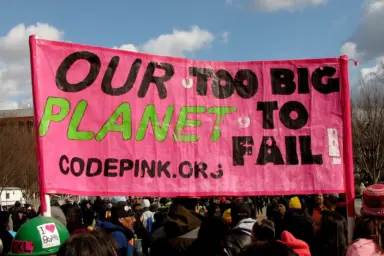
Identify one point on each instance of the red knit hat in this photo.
(298, 246)
(373, 201)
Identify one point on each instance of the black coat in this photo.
(300, 224)
(240, 237)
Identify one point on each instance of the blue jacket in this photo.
(121, 236)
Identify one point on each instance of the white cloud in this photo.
(15, 82)
(9, 105)
(367, 41)
(373, 76)
(350, 49)
(280, 5)
(177, 43)
(127, 47)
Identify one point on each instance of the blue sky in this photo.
(239, 29)
(313, 32)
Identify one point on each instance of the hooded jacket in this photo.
(240, 237)
(177, 234)
(121, 235)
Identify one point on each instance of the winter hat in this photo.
(298, 246)
(145, 203)
(121, 210)
(283, 202)
(295, 203)
(373, 201)
(240, 210)
(227, 216)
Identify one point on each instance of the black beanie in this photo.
(283, 202)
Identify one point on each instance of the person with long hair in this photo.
(369, 228)
(332, 235)
(93, 243)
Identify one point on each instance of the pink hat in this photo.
(373, 201)
(298, 246)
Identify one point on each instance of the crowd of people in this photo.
(295, 225)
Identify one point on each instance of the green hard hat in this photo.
(39, 236)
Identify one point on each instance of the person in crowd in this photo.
(317, 208)
(332, 235)
(120, 226)
(263, 231)
(212, 234)
(300, 247)
(88, 214)
(214, 208)
(58, 214)
(39, 236)
(282, 204)
(298, 222)
(278, 219)
(147, 216)
(273, 210)
(331, 202)
(31, 213)
(272, 248)
(86, 244)
(98, 206)
(369, 229)
(144, 223)
(137, 207)
(75, 221)
(19, 216)
(5, 235)
(160, 219)
(154, 208)
(105, 213)
(259, 205)
(67, 204)
(179, 231)
(241, 234)
(342, 206)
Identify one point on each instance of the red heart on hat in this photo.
(50, 228)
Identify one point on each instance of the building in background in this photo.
(17, 118)
(10, 195)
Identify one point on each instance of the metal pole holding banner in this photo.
(48, 212)
(349, 179)
(45, 207)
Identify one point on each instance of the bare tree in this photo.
(18, 159)
(28, 180)
(368, 130)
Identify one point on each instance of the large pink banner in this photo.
(112, 122)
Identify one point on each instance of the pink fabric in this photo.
(363, 247)
(325, 112)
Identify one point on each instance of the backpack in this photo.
(149, 224)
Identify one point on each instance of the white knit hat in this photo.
(145, 203)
